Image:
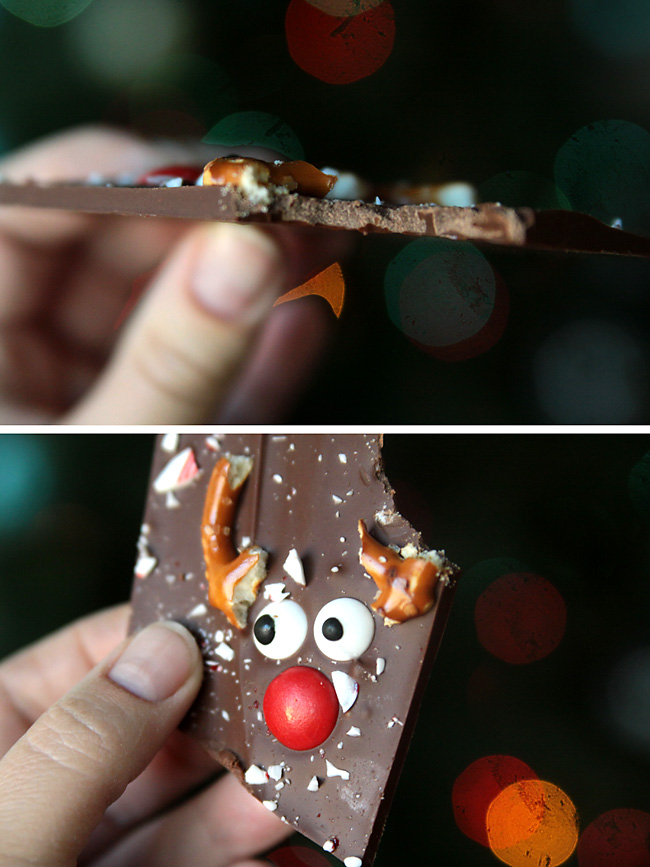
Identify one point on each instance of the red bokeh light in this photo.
(339, 50)
(297, 856)
(478, 785)
(520, 618)
(618, 838)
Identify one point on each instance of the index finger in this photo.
(33, 679)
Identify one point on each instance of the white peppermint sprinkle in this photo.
(225, 651)
(276, 592)
(169, 443)
(343, 458)
(336, 499)
(277, 478)
(381, 665)
(256, 776)
(333, 771)
(213, 443)
(174, 182)
(275, 772)
(172, 501)
(198, 611)
(354, 732)
(177, 473)
(245, 541)
(145, 566)
(279, 786)
(347, 689)
(225, 715)
(219, 636)
(329, 845)
(294, 568)
(271, 805)
(314, 784)
(352, 861)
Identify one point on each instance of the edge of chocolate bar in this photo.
(487, 223)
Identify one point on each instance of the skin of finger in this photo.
(35, 678)
(291, 345)
(175, 360)
(223, 825)
(57, 781)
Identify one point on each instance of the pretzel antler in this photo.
(233, 578)
(406, 580)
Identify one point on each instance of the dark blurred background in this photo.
(565, 690)
(545, 104)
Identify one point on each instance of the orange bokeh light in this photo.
(476, 788)
(532, 822)
(339, 50)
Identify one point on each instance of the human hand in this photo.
(201, 346)
(74, 733)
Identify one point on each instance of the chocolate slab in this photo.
(558, 231)
(306, 493)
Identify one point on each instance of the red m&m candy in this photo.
(301, 707)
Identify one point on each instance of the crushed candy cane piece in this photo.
(275, 772)
(271, 805)
(333, 771)
(354, 732)
(145, 566)
(352, 861)
(198, 610)
(314, 784)
(294, 568)
(256, 776)
(225, 651)
(276, 592)
(172, 501)
(347, 689)
(381, 665)
(179, 472)
(169, 442)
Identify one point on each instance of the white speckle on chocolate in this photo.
(172, 501)
(381, 665)
(294, 568)
(277, 478)
(336, 499)
(256, 776)
(352, 861)
(145, 566)
(329, 845)
(343, 458)
(314, 784)
(225, 651)
(169, 443)
(198, 611)
(275, 771)
(347, 689)
(333, 771)
(272, 806)
(354, 732)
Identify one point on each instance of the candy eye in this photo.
(344, 629)
(280, 629)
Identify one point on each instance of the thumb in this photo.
(193, 330)
(57, 781)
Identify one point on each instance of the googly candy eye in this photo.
(344, 629)
(280, 629)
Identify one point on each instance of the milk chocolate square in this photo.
(311, 695)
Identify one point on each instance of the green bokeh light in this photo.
(27, 478)
(439, 292)
(256, 129)
(604, 169)
(616, 27)
(46, 13)
(518, 189)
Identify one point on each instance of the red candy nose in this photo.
(301, 707)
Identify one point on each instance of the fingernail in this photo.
(238, 269)
(156, 663)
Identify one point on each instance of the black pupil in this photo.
(332, 629)
(264, 629)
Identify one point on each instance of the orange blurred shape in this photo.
(339, 49)
(476, 788)
(329, 284)
(618, 838)
(532, 823)
(520, 618)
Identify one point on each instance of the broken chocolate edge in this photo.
(488, 223)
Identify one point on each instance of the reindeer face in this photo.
(315, 634)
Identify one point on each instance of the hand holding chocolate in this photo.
(316, 647)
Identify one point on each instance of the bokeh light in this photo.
(639, 486)
(520, 618)
(339, 50)
(591, 372)
(604, 170)
(446, 297)
(344, 8)
(619, 29)
(256, 129)
(328, 284)
(186, 84)
(478, 785)
(46, 13)
(119, 40)
(28, 481)
(519, 189)
(532, 823)
(627, 700)
(618, 838)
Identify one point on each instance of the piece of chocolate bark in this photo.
(318, 611)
